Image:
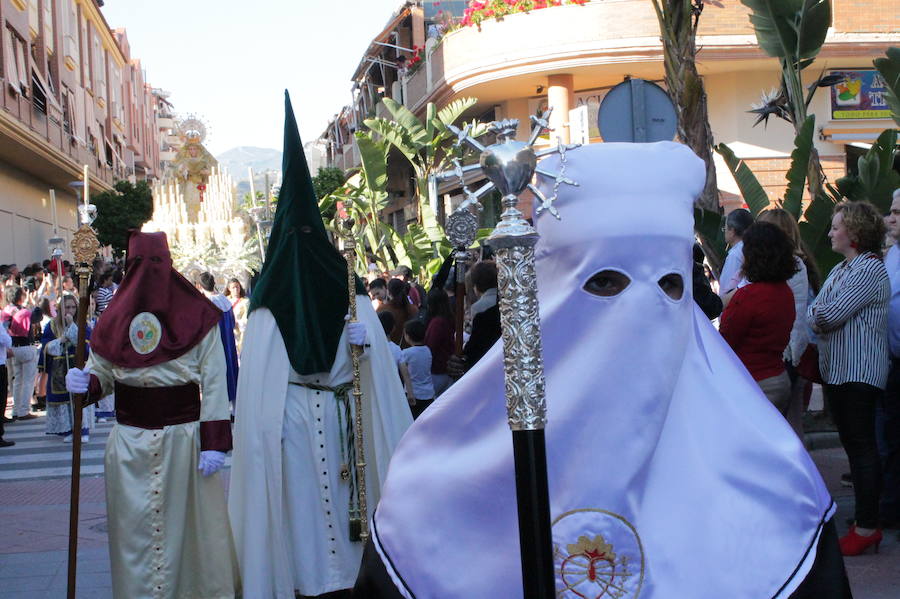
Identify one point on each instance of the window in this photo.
(14, 62)
(70, 34)
(68, 119)
(49, 38)
(44, 96)
(38, 94)
(116, 108)
(454, 8)
(99, 68)
(33, 17)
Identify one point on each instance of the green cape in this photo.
(304, 279)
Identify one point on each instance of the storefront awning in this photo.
(847, 135)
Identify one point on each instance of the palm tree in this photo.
(427, 146)
(793, 31)
(678, 21)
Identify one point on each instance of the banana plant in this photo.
(426, 145)
(889, 68)
(363, 198)
(753, 193)
(797, 173)
(875, 179)
(817, 217)
(793, 31)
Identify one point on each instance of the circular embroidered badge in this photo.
(597, 555)
(144, 332)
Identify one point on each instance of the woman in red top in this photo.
(758, 319)
(439, 337)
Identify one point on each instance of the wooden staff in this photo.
(84, 247)
(461, 228)
(461, 260)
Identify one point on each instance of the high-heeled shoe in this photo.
(853, 543)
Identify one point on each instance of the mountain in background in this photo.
(238, 160)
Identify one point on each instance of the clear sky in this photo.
(229, 61)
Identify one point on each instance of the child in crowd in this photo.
(387, 323)
(417, 359)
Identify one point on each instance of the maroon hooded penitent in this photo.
(152, 285)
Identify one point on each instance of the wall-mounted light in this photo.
(540, 89)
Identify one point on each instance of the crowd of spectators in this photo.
(39, 305)
(791, 330)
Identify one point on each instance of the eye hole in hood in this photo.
(672, 285)
(607, 283)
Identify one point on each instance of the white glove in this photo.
(356, 333)
(77, 380)
(53, 348)
(211, 461)
(72, 333)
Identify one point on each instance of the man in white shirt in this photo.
(888, 413)
(736, 222)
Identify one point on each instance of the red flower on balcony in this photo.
(480, 10)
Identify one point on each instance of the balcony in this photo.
(40, 146)
(165, 122)
(602, 41)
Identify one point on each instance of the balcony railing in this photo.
(55, 136)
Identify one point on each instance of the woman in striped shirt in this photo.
(104, 293)
(850, 317)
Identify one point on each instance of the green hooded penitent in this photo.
(304, 279)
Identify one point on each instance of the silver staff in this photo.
(509, 165)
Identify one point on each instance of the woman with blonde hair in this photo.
(850, 317)
(805, 280)
(57, 357)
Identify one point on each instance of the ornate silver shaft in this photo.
(523, 364)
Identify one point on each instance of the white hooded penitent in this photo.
(670, 474)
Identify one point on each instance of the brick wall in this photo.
(732, 19)
(771, 173)
(857, 16)
(866, 16)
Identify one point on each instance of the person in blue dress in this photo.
(207, 286)
(56, 358)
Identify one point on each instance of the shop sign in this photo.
(861, 95)
(589, 99)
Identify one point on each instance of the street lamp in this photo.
(261, 217)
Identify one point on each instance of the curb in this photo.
(821, 440)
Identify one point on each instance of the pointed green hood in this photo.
(304, 279)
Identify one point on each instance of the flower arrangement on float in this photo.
(481, 10)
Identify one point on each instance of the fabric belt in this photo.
(20, 342)
(157, 407)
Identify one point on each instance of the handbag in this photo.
(808, 367)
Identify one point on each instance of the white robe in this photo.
(287, 501)
(168, 527)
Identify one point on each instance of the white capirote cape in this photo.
(670, 474)
(256, 502)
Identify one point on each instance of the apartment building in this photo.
(569, 57)
(72, 95)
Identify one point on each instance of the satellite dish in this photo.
(637, 111)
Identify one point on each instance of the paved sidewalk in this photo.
(34, 530)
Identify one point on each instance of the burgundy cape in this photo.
(152, 285)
